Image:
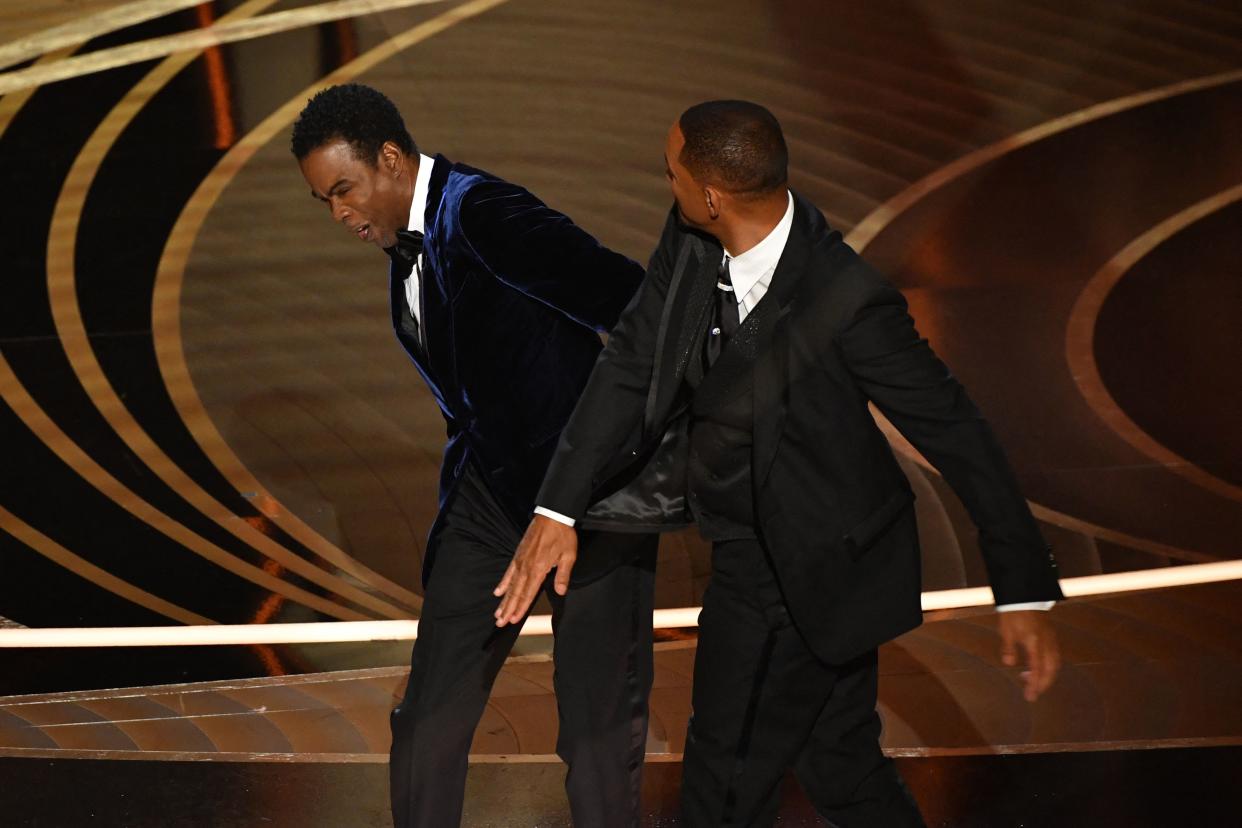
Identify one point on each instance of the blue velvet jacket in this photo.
(514, 296)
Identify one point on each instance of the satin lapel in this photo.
(683, 325)
(771, 368)
(692, 318)
(435, 315)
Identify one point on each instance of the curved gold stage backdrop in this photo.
(206, 420)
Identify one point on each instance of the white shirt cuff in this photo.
(557, 516)
(1033, 605)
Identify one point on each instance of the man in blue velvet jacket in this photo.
(499, 301)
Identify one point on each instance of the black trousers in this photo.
(762, 704)
(603, 669)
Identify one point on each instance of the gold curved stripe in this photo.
(1047, 515)
(25, 407)
(82, 29)
(1080, 338)
(62, 237)
(62, 290)
(871, 226)
(230, 30)
(27, 534)
(58, 554)
(170, 277)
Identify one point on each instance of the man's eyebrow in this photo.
(331, 190)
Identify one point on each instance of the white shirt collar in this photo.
(422, 182)
(754, 268)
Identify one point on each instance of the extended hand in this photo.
(546, 544)
(1031, 631)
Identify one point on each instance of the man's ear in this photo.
(711, 197)
(391, 158)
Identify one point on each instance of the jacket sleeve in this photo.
(898, 371)
(533, 248)
(608, 420)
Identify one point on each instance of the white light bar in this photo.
(342, 631)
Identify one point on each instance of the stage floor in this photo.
(206, 419)
(1108, 789)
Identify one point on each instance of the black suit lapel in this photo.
(771, 367)
(683, 324)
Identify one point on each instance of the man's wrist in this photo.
(557, 516)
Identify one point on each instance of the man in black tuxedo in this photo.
(499, 301)
(734, 391)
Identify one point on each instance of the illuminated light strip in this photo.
(170, 278)
(196, 40)
(1080, 338)
(363, 631)
(83, 29)
(63, 297)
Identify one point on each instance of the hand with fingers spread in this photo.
(547, 545)
(1031, 632)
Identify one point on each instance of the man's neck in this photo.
(751, 223)
(410, 180)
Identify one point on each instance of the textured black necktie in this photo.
(724, 316)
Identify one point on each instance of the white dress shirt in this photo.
(418, 209)
(751, 274)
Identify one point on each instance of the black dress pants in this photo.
(603, 669)
(763, 703)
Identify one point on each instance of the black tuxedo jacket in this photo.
(513, 298)
(831, 504)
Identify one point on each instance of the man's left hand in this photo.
(546, 544)
(1030, 631)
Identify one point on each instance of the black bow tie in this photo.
(407, 249)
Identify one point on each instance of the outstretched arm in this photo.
(606, 423)
(898, 371)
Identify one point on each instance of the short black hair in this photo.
(360, 116)
(736, 145)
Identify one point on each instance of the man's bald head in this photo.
(737, 146)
